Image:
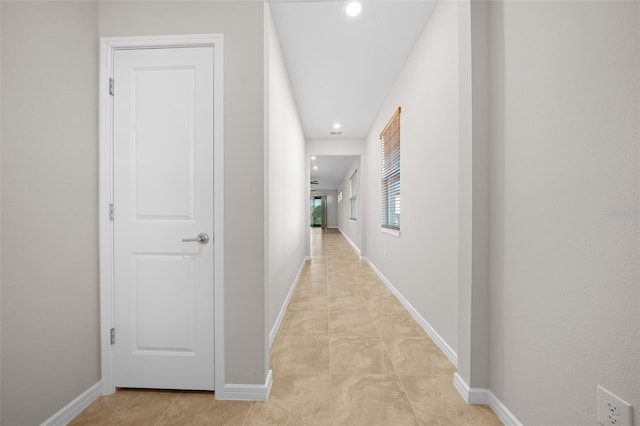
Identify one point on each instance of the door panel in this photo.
(168, 327)
(163, 193)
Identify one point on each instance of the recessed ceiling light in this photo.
(337, 126)
(353, 8)
(315, 167)
(313, 157)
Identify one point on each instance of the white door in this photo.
(163, 195)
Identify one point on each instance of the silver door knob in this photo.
(202, 238)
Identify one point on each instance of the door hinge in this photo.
(111, 86)
(113, 336)
(111, 215)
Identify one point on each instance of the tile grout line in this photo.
(393, 364)
(167, 409)
(395, 370)
(246, 416)
(352, 276)
(326, 255)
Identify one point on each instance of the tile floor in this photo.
(348, 353)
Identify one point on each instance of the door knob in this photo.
(202, 238)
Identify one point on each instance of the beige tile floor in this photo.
(348, 353)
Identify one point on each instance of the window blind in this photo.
(390, 154)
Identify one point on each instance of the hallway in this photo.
(347, 353)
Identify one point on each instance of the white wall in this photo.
(422, 262)
(50, 345)
(287, 184)
(348, 227)
(565, 186)
(335, 147)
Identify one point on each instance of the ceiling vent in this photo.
(335, 133)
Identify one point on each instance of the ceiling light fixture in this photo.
(315, 167)
(353, 8)
(337, 126)
(313, 157)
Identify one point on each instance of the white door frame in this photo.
(107, 47)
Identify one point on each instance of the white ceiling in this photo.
(332, 169)
(341, 68)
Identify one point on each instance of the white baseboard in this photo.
(283, 309)
(437, 339)
(239, 392)
(476, 396)
(75, 407)
(355, 247)
(481, 396)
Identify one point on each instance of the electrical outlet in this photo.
(613, 411)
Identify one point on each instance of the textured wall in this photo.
(565, 278)
(50, 347)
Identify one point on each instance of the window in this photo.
(353, 192)
(390, 146)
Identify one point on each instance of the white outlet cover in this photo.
(613, 411)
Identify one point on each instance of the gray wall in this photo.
(564, 194)
(49, 169)
(242, 24)
(422, 262)
(473, 193)
(0, 216)
(50, 347)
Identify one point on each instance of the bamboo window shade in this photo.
(390, 154)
